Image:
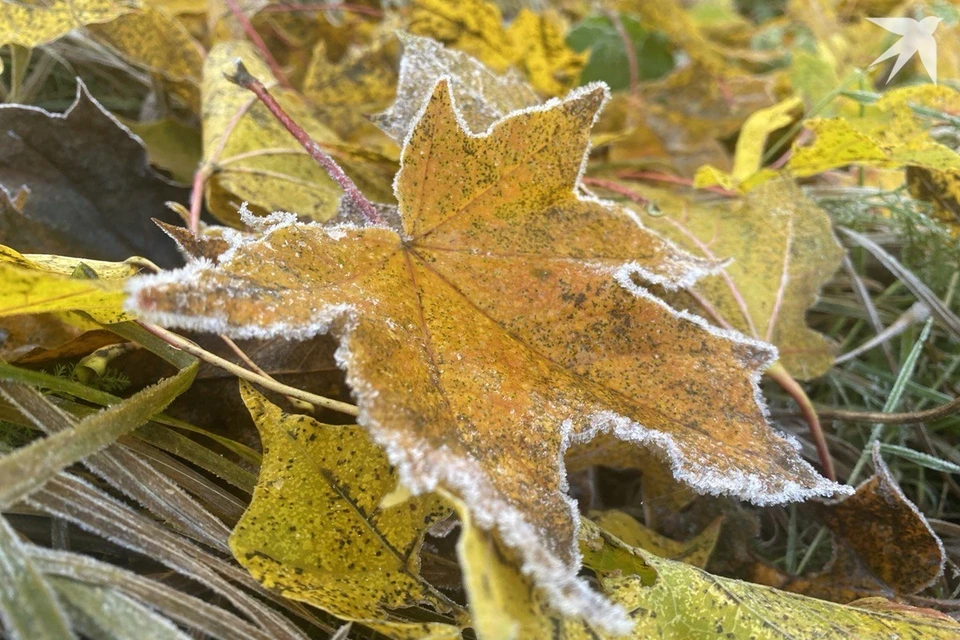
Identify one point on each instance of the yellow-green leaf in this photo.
(37, 284)
(783, 251)
(316, 532)
(255, 159)
(748, 159)
(695, 551)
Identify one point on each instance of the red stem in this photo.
(258, 42)
(243, 78)
(779, 374)
(196, 196)
(329, 6)
(616, 187)
(654, 176)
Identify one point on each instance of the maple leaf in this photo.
(499, 325)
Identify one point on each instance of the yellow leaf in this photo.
(38, 284)
(472, 26)
(783, 251)
(889, 136)
(500, 320)
(542, 53)
(755, 131)
(696, 551)
(31, 24)
(361, 83)
(748, 159)
(155, 40)
(255, 159)
(358, 561)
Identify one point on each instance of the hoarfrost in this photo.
(484, 97)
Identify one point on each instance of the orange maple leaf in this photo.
(501, 322)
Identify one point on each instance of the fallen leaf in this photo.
(472, 26)
(670, 600)
(252, 156)
(361, 83)
(552, 67)
(686, 602)
(502, 326)
(783, 250)
(882, 545)
(90, 192)
(155, 40)
(29, 286)
(748, 159)
(888, 135)
(482, 96)
(359, 561)
(695, 552)
(942, 190)
(31, 24)
(171, 146)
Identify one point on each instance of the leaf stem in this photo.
(243, 78)
(779, 374)
(195, 350)
(258, 42)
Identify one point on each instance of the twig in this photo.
(300, 404)
(243, 78)
(193, 349)
(779, 374)
(656, 176)
(910, 417)
(258, 42)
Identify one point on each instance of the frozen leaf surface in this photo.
(499, 325)
(358, 560)
(482, 96)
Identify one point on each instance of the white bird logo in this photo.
(917, 36)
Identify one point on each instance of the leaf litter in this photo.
(521, 351)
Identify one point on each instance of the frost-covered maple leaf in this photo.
(500, 323)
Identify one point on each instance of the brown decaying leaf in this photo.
(91, 193)
(882, 545)
(500, 325)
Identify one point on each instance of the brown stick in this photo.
(243, 78)
(912, 417)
